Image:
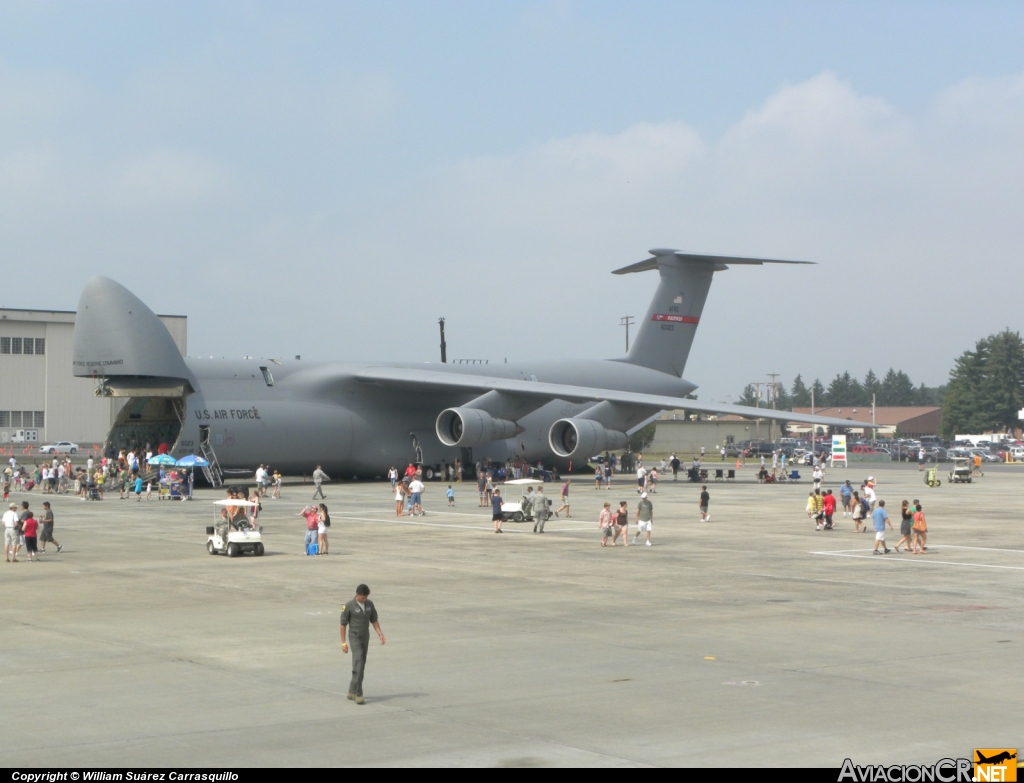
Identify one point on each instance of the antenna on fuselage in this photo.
(444, 345)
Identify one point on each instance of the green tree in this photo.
(800, 395)
(819, 394)
(897, 389)
(783, 402)
(838, 391)
(749, 396)
(871, 386)
(986, 386)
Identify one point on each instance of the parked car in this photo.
(986, 455)
(60, 447)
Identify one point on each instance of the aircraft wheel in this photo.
(518, 516)
(210, 548)
(232, 550)
(428, 474)
(258, 550)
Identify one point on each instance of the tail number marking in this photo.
(679, 319)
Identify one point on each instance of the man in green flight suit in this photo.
(356, 618)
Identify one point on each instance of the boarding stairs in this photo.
(213, 473)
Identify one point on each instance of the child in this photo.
(451, 496)
(149, 490)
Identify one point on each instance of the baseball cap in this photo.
(643, 494)
(871, 479)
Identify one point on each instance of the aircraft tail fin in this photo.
(119, 340)
(665, 335)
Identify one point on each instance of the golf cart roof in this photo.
(523, 482)
(235, 502)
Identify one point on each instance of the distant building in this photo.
(913, 421)
(40, 399)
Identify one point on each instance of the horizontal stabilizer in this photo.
(669, 254)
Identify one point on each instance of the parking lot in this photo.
(752, 637)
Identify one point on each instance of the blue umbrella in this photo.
(192, 461)
(161, 459)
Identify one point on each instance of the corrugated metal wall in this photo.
(45, 383)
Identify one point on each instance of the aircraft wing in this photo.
(410, 378)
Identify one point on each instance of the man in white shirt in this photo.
(12, 536)
(869, 492)
(415, 497)
(641, 479)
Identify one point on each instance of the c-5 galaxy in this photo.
(358, 419)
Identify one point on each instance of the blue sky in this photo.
(353, 171)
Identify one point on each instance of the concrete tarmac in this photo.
(748, 640)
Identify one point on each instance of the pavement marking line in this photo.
(923, 561)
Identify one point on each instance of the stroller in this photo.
(92, 491)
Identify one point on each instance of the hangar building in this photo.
(40, 399)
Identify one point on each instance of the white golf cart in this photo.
(513, 509)
(233, 536)
(960, 472)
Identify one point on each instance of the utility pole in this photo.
(814, 430)
(874, 432)
(757, 403)
(772, 394)
(626, 320)
(444, 346)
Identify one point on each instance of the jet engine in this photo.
(469, 427)
(582, 438)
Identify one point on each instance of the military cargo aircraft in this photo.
(357, 419)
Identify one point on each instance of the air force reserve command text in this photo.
(54, 777)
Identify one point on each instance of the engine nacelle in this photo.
(582, 438)
(469, 427)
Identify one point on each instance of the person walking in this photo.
(46, 534)
(674, 464)
(30, 531)
(605, 524)
(622, 524)
(541, 509)
(702, 504)
(845, 494)
(906, 526)
(920, 459)
(312, 526)
(920, 528)
(319, 477)
(451, 496)
(393, 476)
(416, 488)
(818, 505)
(641, 479)
(323, 523)
(356, 618)
(481, 488)
(598, 475)
(399, 498)
(278, 479)
(881, 519)
(565, 501)
(828, 507)
(644, 518)
(497, 515)
(861, 510)
(12, 534)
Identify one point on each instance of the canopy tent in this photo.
(192, 461)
